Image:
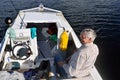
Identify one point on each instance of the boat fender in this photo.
(64, 40)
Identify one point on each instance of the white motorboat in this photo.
(27, 44)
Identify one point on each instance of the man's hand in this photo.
(61, 63)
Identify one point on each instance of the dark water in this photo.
(101, 15)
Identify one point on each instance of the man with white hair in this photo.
(83, 59)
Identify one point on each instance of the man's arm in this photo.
(76, 62)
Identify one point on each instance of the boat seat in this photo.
(94, 73)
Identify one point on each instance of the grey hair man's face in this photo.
(90, 33)
(84, 39)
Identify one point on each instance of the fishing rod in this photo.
(17, 11)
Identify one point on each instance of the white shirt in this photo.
(82, 61)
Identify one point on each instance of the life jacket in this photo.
(64, 40)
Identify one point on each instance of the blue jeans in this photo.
(60, 70)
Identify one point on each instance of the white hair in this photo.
(90, 33)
